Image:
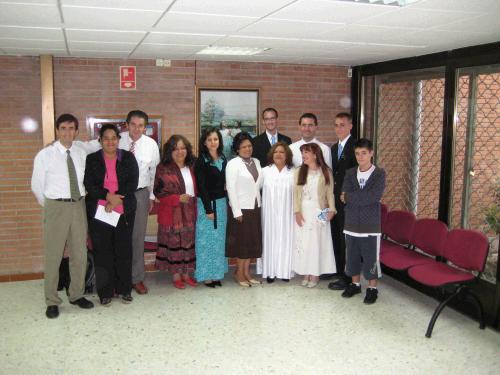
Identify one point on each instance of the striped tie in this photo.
(73, 180)
(132, 147)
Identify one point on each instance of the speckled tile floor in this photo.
(271, 329)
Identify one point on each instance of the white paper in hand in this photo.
(110, 218)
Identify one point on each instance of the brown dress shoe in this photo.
(140, 288)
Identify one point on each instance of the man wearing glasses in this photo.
(263, 142)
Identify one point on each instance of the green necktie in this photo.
(73, 180)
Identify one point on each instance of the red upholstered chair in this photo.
(429, 236)
(399, 228)
(384, 210)
(466, 251)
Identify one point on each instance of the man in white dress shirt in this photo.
(147, 154)
(308, 125)
(57, 183)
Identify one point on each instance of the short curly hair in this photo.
(238, 138)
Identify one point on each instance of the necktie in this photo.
(273, 140)
(132, 147)
(73, 180)
(339, 153)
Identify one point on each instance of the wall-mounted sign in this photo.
(127, 78)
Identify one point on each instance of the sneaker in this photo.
(351, 290)
(127, 298)
(371, 296)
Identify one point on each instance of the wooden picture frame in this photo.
(231, 110)
(94, 123)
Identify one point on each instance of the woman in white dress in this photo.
(314, 207)
(277, 215)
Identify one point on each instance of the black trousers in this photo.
(112, 256)
(337, 225)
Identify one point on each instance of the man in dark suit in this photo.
(263, 143)
(343, 158)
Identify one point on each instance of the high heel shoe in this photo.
(190, 282)
(217, 283)
(244, 284)
(255, 282)
(179, 284)
(210, 284)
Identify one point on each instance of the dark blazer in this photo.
(127, 172)
(362, 206)
(339, 167)
(210, 181)
(261, 146)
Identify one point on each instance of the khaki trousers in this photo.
(64, 222)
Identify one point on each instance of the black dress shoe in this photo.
(327, 276)
(106, 301)
(340, 284)
(127, 298)
(52, 311)
(285, 280)
(83, 303)
(217, 283)
(270, 280)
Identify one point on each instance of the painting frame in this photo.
(230, 109)
(153, 128)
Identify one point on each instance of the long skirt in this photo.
(244, 240)
(175, 249)
(211, 262)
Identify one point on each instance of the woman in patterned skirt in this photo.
(210, 169)
(175, 187)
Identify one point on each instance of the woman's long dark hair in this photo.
(204, 135)
(169, 147)
(304, 169)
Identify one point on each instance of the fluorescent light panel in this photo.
(231, 51)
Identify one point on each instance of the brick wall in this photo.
(91, 87)
(20, 217)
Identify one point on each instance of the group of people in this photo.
(295, 207)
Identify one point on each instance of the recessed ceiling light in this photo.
(398, 3)
(231, 51)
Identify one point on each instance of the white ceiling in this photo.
(296, 31)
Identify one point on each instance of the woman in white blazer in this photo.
(244, 231)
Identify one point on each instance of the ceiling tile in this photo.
(416, 18)
(107, 18)
(489, 6)
(288, 29)
(182, 38)
(122, 4)
(253, 8)
(102, 54)
(104, 35)
(202, 24)
(29, 14)
(35, 51)
(31, 32)
(368, 34)
(32, 43)
(164, 49)
(329, 11)
(486, 23)
(102, 46)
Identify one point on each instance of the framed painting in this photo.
(94, 123)
(229, 110)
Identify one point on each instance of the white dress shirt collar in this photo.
(344, 141)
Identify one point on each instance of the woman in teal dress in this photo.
(210, 168)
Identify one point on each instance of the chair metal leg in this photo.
(438, 310)
(479, 305)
